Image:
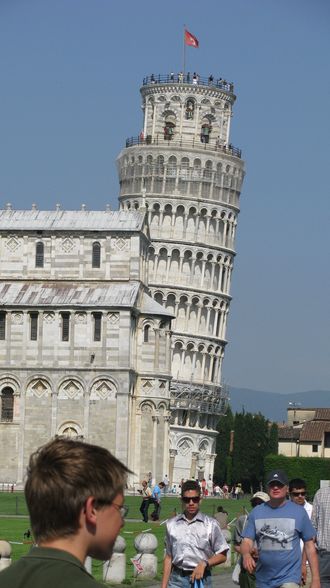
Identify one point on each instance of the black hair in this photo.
(190, 485)
(297, 483)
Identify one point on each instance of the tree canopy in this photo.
(243, 442)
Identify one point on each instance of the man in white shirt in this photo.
(194, 543)
(298, 492)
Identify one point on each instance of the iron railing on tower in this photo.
(203, 399)
(188, 78)
(211, 145)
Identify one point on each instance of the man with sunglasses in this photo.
(277, 527)
(74, 492)
(297, 491)
(194, 543)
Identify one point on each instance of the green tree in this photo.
(273, 439)
(251, 445)
(222, 464)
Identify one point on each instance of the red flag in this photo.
(190, 39)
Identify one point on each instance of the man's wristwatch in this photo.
(207, 566)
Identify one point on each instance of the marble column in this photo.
(173, 454)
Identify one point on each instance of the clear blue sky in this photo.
(70, 77)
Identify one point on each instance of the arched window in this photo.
(146, 333)
(205, 133)
(97, 316)
(7, 404)
(65, 326)
(33, 326)
(169, 130)
(2, 325)
(40, 254)
(190, 109)
(96, 255)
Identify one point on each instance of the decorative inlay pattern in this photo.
(17, 318)
(103, 389)
(81, 318)
(146, 408)
(120, 244)
(203, 448)
(12, 244)
(39, 388)
(113, 317)
(49, 317)
(184, 446)
(70, 389)
(67, 244)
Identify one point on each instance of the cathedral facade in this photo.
(113, 324)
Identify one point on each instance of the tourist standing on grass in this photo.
(247, 580)
(156, 498)
(277, 527)
(166, 483)
(146, 496)
(74, 493)
(222, 517)
(194, 543)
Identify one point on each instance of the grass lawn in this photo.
(12, 528)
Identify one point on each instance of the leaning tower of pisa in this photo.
(183, 170)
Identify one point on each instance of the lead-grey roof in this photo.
(68, 294)
(150, 306)
(71, 295)
(71, 220)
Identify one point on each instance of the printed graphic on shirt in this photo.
(275, 534)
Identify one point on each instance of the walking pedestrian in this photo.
(194, 543)
(298, 491)
(277, 526)
(146, 496)
(245, 579)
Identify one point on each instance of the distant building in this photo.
(307, 433)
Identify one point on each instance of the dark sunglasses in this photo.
(299, 493)
(193, 499)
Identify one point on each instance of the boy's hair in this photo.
(190, 485)
(61, 475)
(297, 483)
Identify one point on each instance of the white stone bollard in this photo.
(5, 553)
(146, 544)
(227, 535)
(114, 570)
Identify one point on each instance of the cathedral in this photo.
(113, 323)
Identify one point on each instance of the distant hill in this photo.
(274, 405)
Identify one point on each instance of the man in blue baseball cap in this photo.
(277, 527)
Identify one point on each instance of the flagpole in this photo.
(184, 49)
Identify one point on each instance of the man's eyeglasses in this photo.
(123, 510)
(187, 499)
(302, 493)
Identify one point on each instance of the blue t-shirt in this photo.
(277, 532)
(156, 493)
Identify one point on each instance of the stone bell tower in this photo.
(184, 171)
